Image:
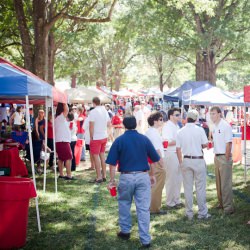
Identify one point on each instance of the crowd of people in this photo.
(149, 152)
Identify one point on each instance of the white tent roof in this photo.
(85, 95)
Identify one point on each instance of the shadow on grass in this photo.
(84, 216)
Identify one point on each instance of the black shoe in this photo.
(61, 177)
(145, 246)
(172, 207)
(124, 236)
(179, 205)
(96, 181)
(70, 178)
(104, 179)
(161, 212)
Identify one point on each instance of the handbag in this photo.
(44, 156)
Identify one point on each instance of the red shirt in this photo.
(116, 120)
(79, 124)
(50, 130)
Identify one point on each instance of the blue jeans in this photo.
(135, 186)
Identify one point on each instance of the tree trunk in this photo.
(206, 67)
(41, 37)
(73, 81)
(160, 71)
(103, 66)
(51, 59)
(25, 36)
(118, 79)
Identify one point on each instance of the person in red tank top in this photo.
(81, 111)
(117, 123)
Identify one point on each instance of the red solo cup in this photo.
(113, 191)
(210, 145)
(165, 144)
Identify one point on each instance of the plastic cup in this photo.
(165, 144)
(113, 191)
(209, 145)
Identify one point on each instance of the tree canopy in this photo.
(163, 42)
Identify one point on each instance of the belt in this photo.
(134, 172)
(219, 154)
(193, 157)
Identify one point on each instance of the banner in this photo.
(247, 93)
(186, 95)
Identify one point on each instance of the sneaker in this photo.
(124, 236)
(204, 217)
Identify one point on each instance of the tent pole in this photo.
(46, 142)
(54, 142)
(32, 161)
(245, 145)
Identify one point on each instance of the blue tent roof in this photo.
(196, 87)
(16, 84)
(213, 96)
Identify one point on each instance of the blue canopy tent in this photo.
(18, 86)
(213, 96)
(188, 85)
(15, 85)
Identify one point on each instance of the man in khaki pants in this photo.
(155, 121)
(173, 173)
(222, 139)
(189, 142)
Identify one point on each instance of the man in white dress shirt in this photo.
(155, 121)
(189, 142)
(173, 172)
(222, 139)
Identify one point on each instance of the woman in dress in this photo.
(63, 139)
(40, 124)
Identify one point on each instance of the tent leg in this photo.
(46, 140)
(53, 122)
(245, 146)
(32, 161)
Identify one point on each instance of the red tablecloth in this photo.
(10, 158)
(247, 132)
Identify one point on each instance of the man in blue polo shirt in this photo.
(131, 151)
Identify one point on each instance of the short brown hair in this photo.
(96, 100)
(154, 116)
(216, 108)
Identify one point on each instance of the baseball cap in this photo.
(193, 114)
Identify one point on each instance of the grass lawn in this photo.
(84, 216)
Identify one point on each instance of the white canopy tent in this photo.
(85, 95)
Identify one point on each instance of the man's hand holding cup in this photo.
(112, 188)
